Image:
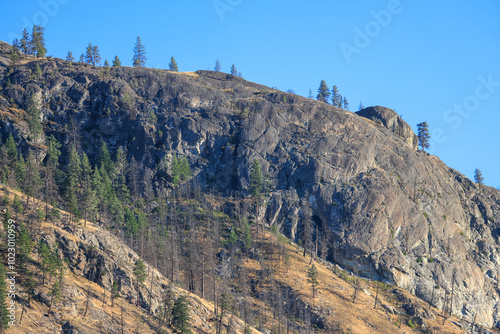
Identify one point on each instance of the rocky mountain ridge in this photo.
(389, 211)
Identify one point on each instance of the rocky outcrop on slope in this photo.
(102, 258)
(389, 211)
(392, 121)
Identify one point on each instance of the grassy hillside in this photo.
(85, 305)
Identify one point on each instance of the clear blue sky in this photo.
(429, 60)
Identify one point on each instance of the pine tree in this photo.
(38, 71)
(70, 57)
(88, 54)
(478, 177)
(247, 237)
(256, 180)
(25, 42)
(89, 198)
(117, 62)
(11, 150)
(185, 168)
(233, 70)
(55, 213)
(45, 255)
(345, 103)
(35, 126)
(233, 238)
(4, 312)
(6, 219)
(310, 96)
(106, 63)
(73, 178)
(15, 54)
(217, 67)
(55, 294)
(140, 271)
(323, 92)
(105, 159)
(30, 286)
(120, 161)
(423, 135)
(4, 168)
(32, 181)
(51, 164)
(98, 187)
(56, 264)
(38, 41)
(82, 59)
(120, 181)
(336, 97)
(181, 170)
(180, 315)
(173, 65)
(175, 170)
(139, 58)
(96, 56)
(131, 224)
(140, 274)
(312, 278)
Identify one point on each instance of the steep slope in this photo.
(385, 209)
(95, 259)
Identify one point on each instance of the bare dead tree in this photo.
(452, 292)
(87, 301)
(445, 314)
(122, 323)
(356, 286)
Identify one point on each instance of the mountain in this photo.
(380, 207)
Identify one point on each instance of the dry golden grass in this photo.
(335, 297)
(189, 74)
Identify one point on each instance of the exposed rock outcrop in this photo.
(392, 121)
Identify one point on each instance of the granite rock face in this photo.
(392, 121)
(390, 211)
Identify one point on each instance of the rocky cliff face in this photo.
(390, 211)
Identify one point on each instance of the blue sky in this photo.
(431, 61)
